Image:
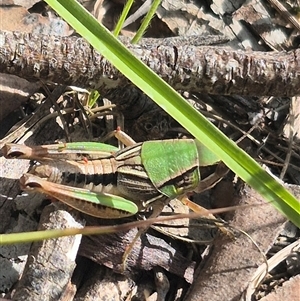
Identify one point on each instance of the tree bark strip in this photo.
(208, 69)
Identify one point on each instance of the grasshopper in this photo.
(100, 180)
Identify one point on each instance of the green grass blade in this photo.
(92, 99)
(123, 17)
(146, 21)
(236, 159)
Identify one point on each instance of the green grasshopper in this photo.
(103, 181)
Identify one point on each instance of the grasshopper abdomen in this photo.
(97, 175)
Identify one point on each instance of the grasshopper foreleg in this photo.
(206, 184)
(213, 179)
(157, 208)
